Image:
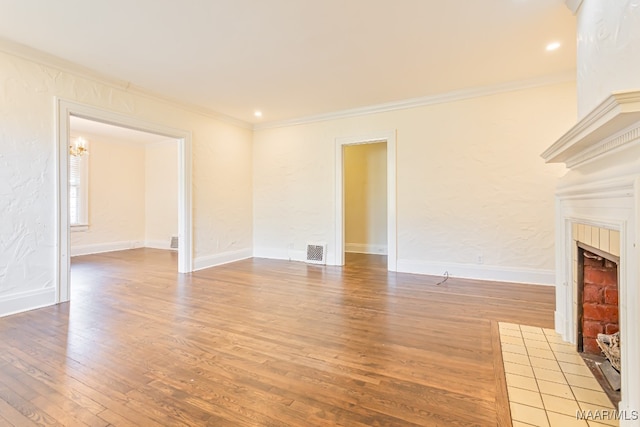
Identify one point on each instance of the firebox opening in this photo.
(598, 314)
(598, 296)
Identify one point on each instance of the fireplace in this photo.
(598, 216)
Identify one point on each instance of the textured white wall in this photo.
(161, 194)
(221, 170)
(470, 183)
(608, 50)
(133, 196)
(365, 197)
(116, 194)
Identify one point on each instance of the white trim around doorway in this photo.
(64, 109)
(390, 138)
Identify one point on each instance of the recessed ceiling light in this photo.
(553, 46)
(258, 114)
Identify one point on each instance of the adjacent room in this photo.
(123, 189)
(247, 213)
(365, 200)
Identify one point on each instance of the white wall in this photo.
(222, 187)
(133, 196)
(473, 195)
(161, 194)
(116, 198)
(608, 50)
(365, 198)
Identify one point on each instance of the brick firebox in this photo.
(599, 299)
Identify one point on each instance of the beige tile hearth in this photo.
(548, 383)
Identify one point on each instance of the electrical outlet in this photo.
(480, 259)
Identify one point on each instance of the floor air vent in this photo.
(317, 253)
(174, 242)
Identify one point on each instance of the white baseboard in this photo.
(209, 261)
(25, 301)
(561, 325)
(158, 244)
(364, 248)
(480, 272)
(276, 253)
(99, 248)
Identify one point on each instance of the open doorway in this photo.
(123, 188)
(365, 201)
(68, 112)
(123, 196)
(366, 222)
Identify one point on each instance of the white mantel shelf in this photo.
(615, 123)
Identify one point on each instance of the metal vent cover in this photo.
(174, 242)
(317, 253)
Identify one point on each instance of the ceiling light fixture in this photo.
(78, 147)
(258, 114)
(553, 46)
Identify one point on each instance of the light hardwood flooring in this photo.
(262, 343)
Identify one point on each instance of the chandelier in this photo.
(78, 147)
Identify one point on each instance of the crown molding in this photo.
(613, 124)
(40, 57)
(458, 95)
(37, 56)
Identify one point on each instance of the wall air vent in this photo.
(174, 242)
(317, 253)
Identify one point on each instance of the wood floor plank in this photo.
(503, 411)
(36, 415)
(13, 416)
(261, 342)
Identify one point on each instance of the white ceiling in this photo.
(296, 58)
(90, 129)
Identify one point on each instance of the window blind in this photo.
(77, 190)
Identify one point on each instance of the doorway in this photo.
(123, 188)
(65, 110)
(382, 166)
(365, 200)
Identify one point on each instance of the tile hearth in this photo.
(548, 383)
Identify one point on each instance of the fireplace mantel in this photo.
(612, 125)
(602, 192)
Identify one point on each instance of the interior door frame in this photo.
(390, 138)
(64, 109)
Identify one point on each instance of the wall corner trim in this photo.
(39, 57)
(478, 272)
(281, 254)
(208, 261)
(25, 301)
(365, 248)
(99, 248)
(441, 98)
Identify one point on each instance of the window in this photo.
(78, 192)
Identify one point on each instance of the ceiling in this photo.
(90, 129)
(298, 58)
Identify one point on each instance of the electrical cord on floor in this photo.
(446, 277)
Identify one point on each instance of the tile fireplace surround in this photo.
(601, 191)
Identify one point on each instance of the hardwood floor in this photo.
(260, 343)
